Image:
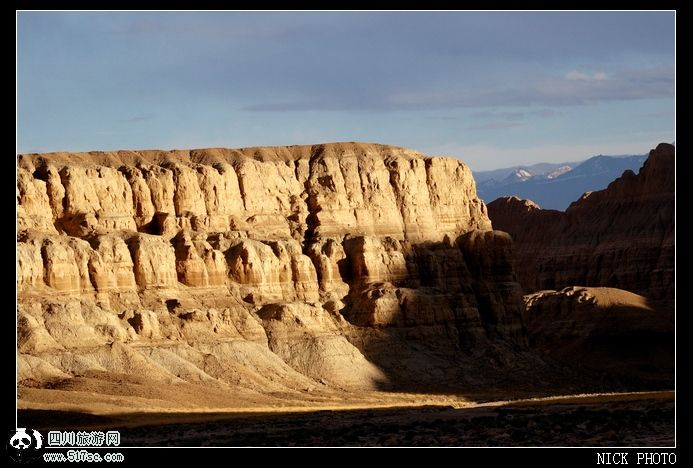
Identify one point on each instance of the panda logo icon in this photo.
(23, 446)
(21, 440)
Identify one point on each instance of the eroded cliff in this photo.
(621, 237)
(263, 270)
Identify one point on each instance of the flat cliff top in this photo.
(210, 156)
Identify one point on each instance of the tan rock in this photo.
(154, 261)
(61, 271)
(143, 207)
(297, 274)
(103, 192)
(375, 259)
(110, 265)
(32, 336)
(327, 256)
(161, 187)
(187, 198)
(190, 266)
(260, 271)
(66, 325)
(146, 324)
(219, 185)
(273, 271)
(307, 338)
(253, 264)
(32, 198)
(30, 264)
(34, 370)
(215, 263)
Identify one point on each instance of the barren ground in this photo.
(618, 419)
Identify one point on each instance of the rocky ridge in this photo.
(266, 270)
(620, 237)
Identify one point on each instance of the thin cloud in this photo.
(377, 76)
(627, 85)
(661, 114)
(581, 76)
(496, 126)
(516, 115)
(136, 118)
(451, 118)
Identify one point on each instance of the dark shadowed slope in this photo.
(620, 237)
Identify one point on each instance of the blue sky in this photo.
(493, 89)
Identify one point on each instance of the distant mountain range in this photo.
(555, 185)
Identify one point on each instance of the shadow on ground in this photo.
(594, 422)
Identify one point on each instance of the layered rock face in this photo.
(264, 269)
(620, 237)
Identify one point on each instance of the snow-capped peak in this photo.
(519, 175)
(559, 171)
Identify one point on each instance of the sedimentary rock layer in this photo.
(264, 269)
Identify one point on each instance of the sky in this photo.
(492, 89)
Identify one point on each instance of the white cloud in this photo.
(581, 76)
